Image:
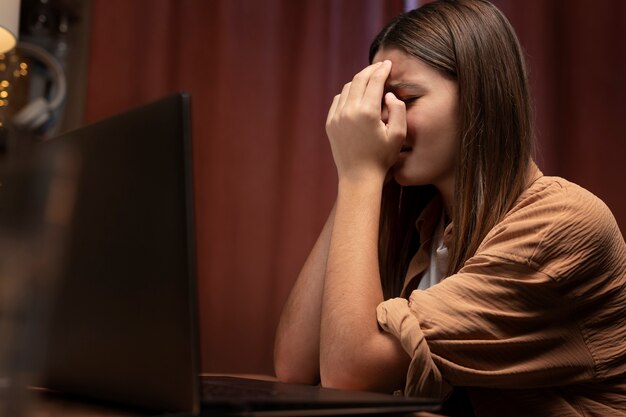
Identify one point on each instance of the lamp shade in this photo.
(9, 24)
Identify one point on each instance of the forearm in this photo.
(354, 353)
(297, 344)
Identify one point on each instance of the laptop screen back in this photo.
(123, 325)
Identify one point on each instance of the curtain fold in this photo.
(576, 54)
(262, 75)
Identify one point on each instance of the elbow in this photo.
(373, 369)
(344, 381)
(294, 375)
(353, 378)
(295, 370)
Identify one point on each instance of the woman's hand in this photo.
(364, 146)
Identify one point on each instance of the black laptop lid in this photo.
(123, 326)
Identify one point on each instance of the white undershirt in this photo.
(438, 266)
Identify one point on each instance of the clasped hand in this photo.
(364, 145)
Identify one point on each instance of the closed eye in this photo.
(408, 100)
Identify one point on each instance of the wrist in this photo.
(359, 193)
(360, 186)
(371, 179)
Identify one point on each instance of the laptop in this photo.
(123, 328)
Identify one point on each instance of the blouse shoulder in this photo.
(557, 227)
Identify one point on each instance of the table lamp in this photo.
(9, 24)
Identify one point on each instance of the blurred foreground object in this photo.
(36, 200)
(33, 88)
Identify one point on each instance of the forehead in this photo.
(406, 69)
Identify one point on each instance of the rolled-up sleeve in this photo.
(507, 328)
(395, 317)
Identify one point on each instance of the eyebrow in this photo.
(404, 85)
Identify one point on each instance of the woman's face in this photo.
(429, 153)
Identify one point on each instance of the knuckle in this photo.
(371, 113)
(346, 114)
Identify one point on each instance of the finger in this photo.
(376, 86)
(396, 123)
(332, 110)
(361, 80)
(343, 97)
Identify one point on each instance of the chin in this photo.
(406, 177)
(413, 175)
(407, 181)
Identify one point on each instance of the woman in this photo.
(496, 278)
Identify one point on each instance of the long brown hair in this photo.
(471, 41)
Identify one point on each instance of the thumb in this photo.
(396, 122)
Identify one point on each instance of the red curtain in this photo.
(262, 75)
(576, 53)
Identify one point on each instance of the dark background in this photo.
(262, 74)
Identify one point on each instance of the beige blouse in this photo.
(534, 324)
